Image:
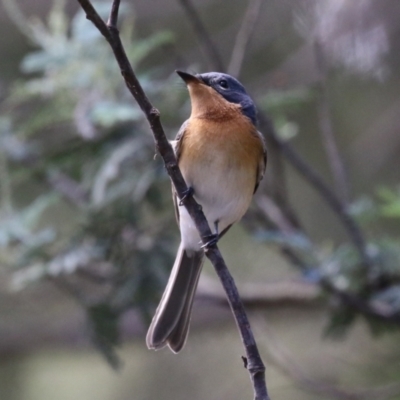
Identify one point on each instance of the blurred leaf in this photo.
(143, 48)
(296, 240)
(386, 257)
(103, 321)
(389, 296)
(286, 130)
(344, 269)
(364, 209)
(108, 114)
(340, 322)
(20, 226)
(30, 215)
(391, 202)
(57, 19)
(277, 102)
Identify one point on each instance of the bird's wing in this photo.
(262, 165)
(177, 143)
(177, 146)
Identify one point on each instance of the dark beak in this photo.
(188, 78)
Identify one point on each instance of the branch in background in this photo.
(13, 11)
(275, 214)
(254, 363)
(204, 38)
(278, 182)
(6, 203)
(247, 28)
(326, 129)
(376, 310)
(276, 167)
(263, 294)
(285, 362)
(68, 188)
(316, 180)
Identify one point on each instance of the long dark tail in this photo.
(170, 324)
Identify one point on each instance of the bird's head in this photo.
(209, 89)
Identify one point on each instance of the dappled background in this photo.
(88, 233)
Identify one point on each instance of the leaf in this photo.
(77, 257)
(390, 296)
(296, 240)
(36, 62)
(278, 101)
(391, 202)
(31, 214)
(364, 209)
(143, 48)
(391, 210)
(103, 321)
(108, 113)
(57, 19)
(340, 322)
(286, 130)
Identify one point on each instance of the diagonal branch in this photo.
(254, 363)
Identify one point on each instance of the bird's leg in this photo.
(213, 238)
(188, 192)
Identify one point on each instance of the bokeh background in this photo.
(87, 229)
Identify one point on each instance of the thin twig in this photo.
(6, 201)
(255, 365)
(326, 128)
(204, 38)
(68, 188)
(113, 18)
(243, 36)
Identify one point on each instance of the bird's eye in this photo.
(223, 83)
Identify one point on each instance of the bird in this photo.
(222, 157)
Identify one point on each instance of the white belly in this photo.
(223, 189)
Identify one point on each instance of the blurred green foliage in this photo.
(70, 127)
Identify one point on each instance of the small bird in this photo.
(222, 157)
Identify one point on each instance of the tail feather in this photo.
(170, 324)
(178, 336)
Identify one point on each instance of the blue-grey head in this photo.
(228, 87)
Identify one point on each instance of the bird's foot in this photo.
(212, 240)
(188, 192)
